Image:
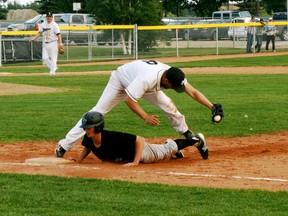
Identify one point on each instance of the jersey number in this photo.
(151, 62)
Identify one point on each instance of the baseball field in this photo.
(246, 173)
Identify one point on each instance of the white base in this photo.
(47, 160)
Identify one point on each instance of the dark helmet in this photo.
(92, 119)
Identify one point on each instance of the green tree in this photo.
(249, 5)
(3, 11)
(274, 6)
(255, 6)
(48, 5)
(201, 8)
(205, 8)
(176, 7)
(127, 12)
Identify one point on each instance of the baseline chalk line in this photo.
(151, 172)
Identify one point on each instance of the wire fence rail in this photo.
(109, 42)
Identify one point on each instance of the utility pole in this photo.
(258, 8)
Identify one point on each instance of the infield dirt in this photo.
(258, 162)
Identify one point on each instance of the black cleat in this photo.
(202, 147)
(59, 151)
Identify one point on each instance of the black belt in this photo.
(49, 42)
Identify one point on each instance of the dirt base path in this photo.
(258, 162)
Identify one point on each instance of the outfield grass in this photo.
(44, 195)
(38, 117)
(279, 60)
(260, 97)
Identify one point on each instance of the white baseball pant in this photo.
(50, 55)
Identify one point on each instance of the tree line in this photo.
(145, 13)
(148, 12)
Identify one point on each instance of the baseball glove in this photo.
(61, 49)
(217, 110)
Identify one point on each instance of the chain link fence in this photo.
(111, 42)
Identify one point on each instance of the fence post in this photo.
(217, 45)
(89, 44)
(1, 49)
(32, 53)
(177, 44)
(136, 41)
(254, 39)
(112, 42)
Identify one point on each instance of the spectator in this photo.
(259, 36)
(271, 31)
(250, 36)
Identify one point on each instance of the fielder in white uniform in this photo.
(125, 148)
(142, 79)
(51, 37)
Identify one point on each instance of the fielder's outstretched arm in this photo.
(198, 96)
(136, 108)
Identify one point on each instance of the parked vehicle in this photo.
(281, 29)
(4, 25)
(66, 19)
(171, 22)
(230, 15)
(16, 27)
(238, 32)
(203, 33)
(61, 19)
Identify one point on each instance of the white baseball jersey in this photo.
(49, 31)
(140, 77)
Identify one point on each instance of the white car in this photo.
(238, 32)
(16, 27)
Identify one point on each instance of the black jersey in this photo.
(114, 146)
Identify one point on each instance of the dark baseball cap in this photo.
(49, 14)
(177, 78)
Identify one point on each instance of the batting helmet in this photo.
(92, 119)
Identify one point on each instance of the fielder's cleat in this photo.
(189, 134)
(179, 154)
(202, 147)
(59, 151)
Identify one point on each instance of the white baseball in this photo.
(217, 118)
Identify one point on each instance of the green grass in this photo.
(280, 60)
(50, 116)
(46, 195)
(38, 117)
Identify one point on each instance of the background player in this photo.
(51, 35)
(124, 147)
(143, 79)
